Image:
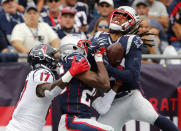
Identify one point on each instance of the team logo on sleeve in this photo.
(138, 42)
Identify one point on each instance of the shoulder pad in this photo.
(133, 40)
(41, 76)
(75, 54)
(69, 59)
(137, 42)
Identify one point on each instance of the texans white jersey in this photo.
(31, 110)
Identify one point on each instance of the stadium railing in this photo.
(23, 57)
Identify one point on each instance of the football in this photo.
(115, 54)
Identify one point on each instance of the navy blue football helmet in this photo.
(42, 54)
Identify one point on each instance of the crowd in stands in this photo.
(26, 23)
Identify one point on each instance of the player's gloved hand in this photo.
(96, 44)
(100, 54)
(79, 67)
(76, 68)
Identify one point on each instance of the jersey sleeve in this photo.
(42, 76)
(133, 58)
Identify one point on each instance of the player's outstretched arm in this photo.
(100, 79)
(75, 69)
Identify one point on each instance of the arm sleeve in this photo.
(42, 76)
(45, 76)
(54, 92)
(132, 65)
(103, 104)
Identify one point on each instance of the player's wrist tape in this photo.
(66, 77)
(98, 58)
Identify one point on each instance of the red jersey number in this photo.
(45, 76)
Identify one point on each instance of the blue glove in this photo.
(96, 44)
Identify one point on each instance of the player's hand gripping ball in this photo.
(115, 54)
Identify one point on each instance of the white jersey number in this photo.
(84, 98)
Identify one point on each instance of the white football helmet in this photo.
(124, 19)
(72, 43)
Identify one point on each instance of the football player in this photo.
(129, 103)
(76, 98)
(41, 88)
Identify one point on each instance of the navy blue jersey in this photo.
(4, 42)
(173, 9)
(48, 18)
(8, 21)
(23, 3)
(76, 98)
(81, 15)
(132, 45)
